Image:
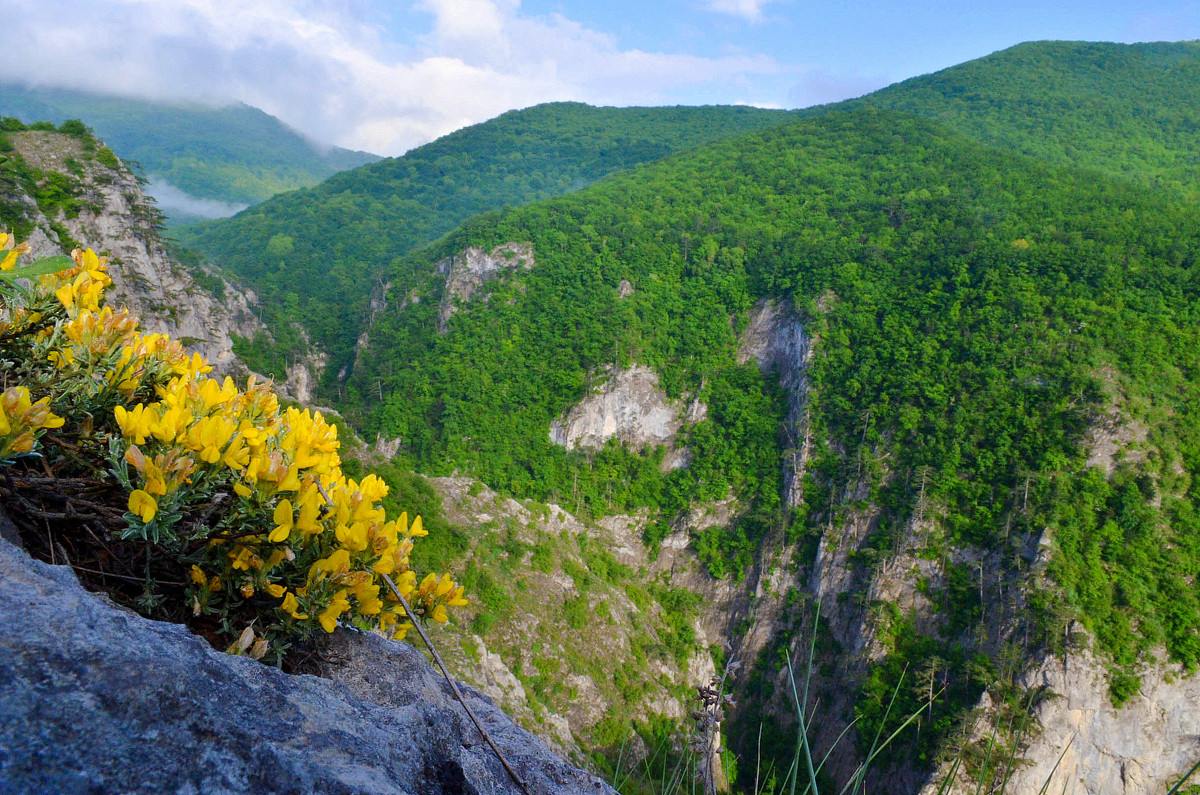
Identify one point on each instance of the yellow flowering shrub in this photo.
(246, 498)
(21, 421)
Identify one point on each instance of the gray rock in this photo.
(467, 273)
(629, 406)
(96, 699)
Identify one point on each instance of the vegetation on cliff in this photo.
(232, 510)
(1004, 352)
(967, 303)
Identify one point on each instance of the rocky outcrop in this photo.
(468, 272)
(118, 220)
(1083, 745)
(776, 340)
(1144, 747)
(631, 407)
(304, 372)
(560, 675)
(98, 699)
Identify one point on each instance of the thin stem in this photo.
(453, 684)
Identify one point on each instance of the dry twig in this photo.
(454, 685)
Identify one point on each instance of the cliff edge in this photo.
(98, 699)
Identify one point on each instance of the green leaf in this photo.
(40, 268)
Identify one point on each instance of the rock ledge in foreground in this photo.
(98, 699)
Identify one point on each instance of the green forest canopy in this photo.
(974, 299)
(315, 255)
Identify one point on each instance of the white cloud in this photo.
(748, 9)
(325, 68)
(176, 201)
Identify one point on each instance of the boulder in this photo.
(97, 699)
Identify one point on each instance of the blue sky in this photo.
(386, 76)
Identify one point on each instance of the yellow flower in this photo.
(142, 505)
(291, 606)
(38, 415)
(352, 537)
(243, 558)
(329, 616)
(369, 603)
(213, 394)
(337, 563)
(283, 522)
(23, 443)
(10, 260)
(134, 424)
(309, 511)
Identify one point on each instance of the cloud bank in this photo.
(176, 201)
(329, 69)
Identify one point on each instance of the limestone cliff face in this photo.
(469, 271)
(1143, 748)
(116, 219)
(630, 406)
(775, 338)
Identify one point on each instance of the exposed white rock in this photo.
(469, 271)
(1143, 748)
(1114, 437)
(776, 340)
(494, 677)
(385, 448)
(631, 407)
(625, 537)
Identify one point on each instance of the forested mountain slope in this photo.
(235, 155)
(315, 255)
(1131, 110)
(976, 313)
(980, 446)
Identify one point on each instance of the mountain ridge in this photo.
(340, 237)
(234, 155)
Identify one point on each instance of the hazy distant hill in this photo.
(229, 156)
(326, 245)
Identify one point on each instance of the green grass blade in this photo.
(1183, 780)
(987, 758)
(802, 747)
(860, 774)
(1008, 768)
(53, 264)
(944, 787)
(1054, 769)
